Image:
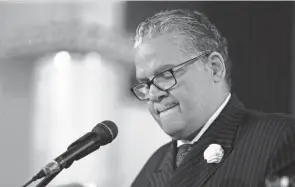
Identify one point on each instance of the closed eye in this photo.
(143, 80)
(179, 72)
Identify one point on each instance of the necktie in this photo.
(182, 151)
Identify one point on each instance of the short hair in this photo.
(197, 32)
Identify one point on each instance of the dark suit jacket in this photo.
(256, 145)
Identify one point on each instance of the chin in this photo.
(175, 131)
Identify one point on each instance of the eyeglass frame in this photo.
(171, 70)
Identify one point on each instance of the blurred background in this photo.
(64, 67)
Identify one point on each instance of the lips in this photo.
(160, 110)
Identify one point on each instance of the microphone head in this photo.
(107, 130)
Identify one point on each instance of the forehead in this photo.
(156, 55)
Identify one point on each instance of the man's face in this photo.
(177, 110)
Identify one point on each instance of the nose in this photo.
(155, 94)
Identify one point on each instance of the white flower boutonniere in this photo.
(214, 153)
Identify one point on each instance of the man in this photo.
(183, 67)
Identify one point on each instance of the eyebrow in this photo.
(160, 69)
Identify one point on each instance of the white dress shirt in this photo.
(207, 125)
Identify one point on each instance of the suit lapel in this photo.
(165, 170)
(195, 170)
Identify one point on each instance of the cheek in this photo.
(184, 95)
(190, 95)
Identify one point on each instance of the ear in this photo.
(217, 66)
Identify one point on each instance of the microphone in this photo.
(102, 134)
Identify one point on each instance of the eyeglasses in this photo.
(164, 80)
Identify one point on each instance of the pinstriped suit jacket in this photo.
(256, 145)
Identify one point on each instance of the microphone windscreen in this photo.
(107, 130)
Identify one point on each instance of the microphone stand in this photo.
(47, 179)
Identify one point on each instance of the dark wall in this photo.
(259, 36)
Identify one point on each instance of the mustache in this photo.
(166, 106)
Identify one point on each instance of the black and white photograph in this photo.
(113, 93)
